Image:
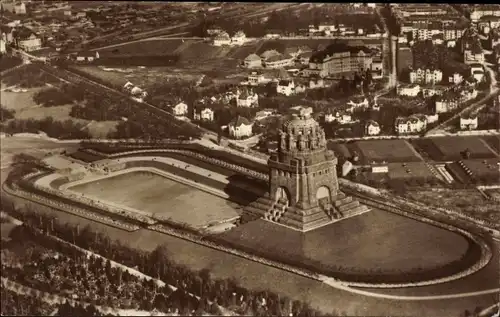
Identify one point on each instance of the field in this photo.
(376, 240)
(469, 201)
(410, 170)
(160, 196)
(340, 150)
(450, 148)
(385, 150)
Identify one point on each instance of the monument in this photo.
(303, 187)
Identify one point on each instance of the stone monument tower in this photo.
(303, 187)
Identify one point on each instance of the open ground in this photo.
(384, 151)
(25, 108)
(156, 194)
(410, 170)
(451, 148)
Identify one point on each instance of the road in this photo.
(147, 40)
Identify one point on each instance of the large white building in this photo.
(286, 87)
(412, 124)
(468, 122)
(426, 76)
(30, 43)
(408, 90)
(247, 99)
(180, 109)
(203, 114)
(372, 128)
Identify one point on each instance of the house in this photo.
(474, 54)
(203, 114)
(128, 87)
(255, 79)
(426, 76)
(316, 83)
(247, 99)
(214, 31)
(278, 61)
(285, 87)
(222, 39)
(478, 75)
(446, 103)
(29, 42)
(20, 8)
(431, 118)
(252, 61)
(180, 109)
(412, 124)
(269, 53)
(455, 79)
(372, 128)
(377, 68)
(437, 39)
(408, 90)
(468, 122)
(429, 91)
(342, 117)
(87, 56)
(240, 127)
(264, 114)
(239, 38)
(357, 102)
(379, 169)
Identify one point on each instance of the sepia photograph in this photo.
(172, 158)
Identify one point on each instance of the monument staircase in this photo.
(277, 211)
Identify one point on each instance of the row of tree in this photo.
(225, 292)
(56, 129)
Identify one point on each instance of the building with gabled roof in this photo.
(252, 61)
(240, 127)
(412, 124)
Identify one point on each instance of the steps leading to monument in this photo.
(345, 207)
(342, 201)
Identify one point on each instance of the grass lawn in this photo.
(450, 148)
(470, 201)
(158, 195)
(376, 240)
(386, 150)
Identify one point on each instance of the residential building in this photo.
(87, 56)
(278, 61)
(431, 118)
(377, 68)
(478, 75)
(446, 103)
(438, 39)
(214, 31)
(247, 99)
(339, 59)
(480, 10)
(474, 55)
(203, 114)
(253, 61)
(221, 39)
(30, 42)
(240, 127)
(433, 90)
(285, 87)
(3, 47)
(426, 76)
(315, 83)
(452, 33)
(264, 114)
(239, 38)
(372, 128)
(468, 122)
(342, 117)
(357, 102)
(20, 8)
(255, 79)
(180, 109)
(408, 90)
(455, 79)
(411, 124)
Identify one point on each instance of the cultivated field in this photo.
(410, 170)
(374, 241)
(385, 151)
(487, 169)
(158, 195)
(470, 201)
(451, 148)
